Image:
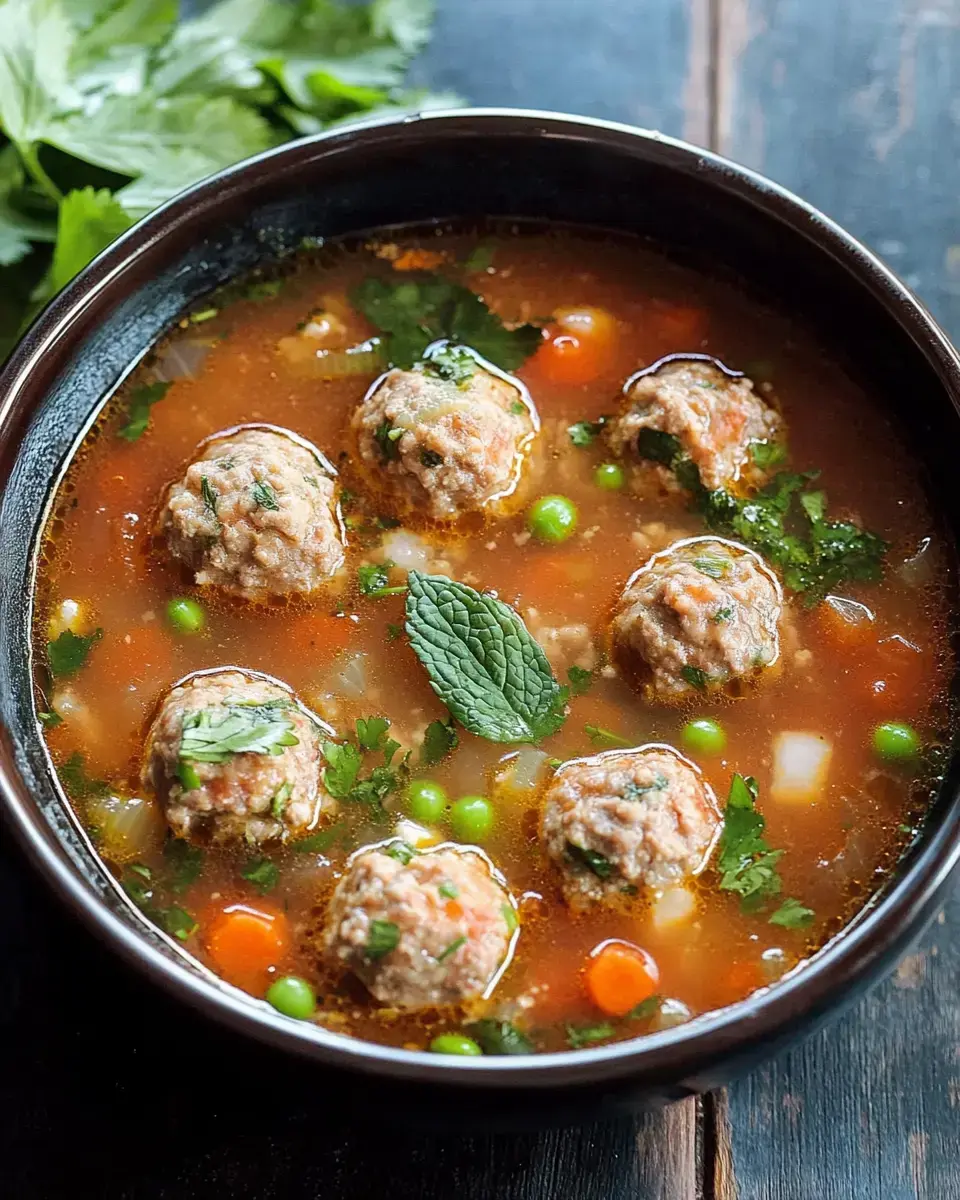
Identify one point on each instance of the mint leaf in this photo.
(481, 661)
(214, 734)
(422, 308)
(67, 653)
(142, 400)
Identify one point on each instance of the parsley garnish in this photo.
(792, 914)
(482, 662)
(422, 307)
(604, 737)
(373, 580)
(600, 866)
(580, 680)
(214, 734)
(341, 775)
(452, 363)
(386, 436)
(579, 1036)
(262, 873)
(696, 677)
(448, 890)
(451, 949)
(384, 936)
(208, 494)
(499, 1037)
(138, 882)
(372, 732)
(51, 719)
(584, 433)
(67, 653)
(768, 454)
(264, 496)
(712, 565)
(633, 791)
(142, 400)
(401, 851)
(439, 740)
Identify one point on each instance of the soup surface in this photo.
(712, 762)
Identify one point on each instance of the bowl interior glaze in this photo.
(465, 165)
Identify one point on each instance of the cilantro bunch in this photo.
(110, 107)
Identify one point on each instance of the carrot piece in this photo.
(244, 942)
(619, 976)
(418, 259)
(567, 359)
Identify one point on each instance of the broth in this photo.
(345, 655)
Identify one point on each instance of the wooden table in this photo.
(108, 1089)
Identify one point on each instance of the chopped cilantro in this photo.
(372, 732)
(600, 866)
(264, 496)
(448, 890)
(584, 433)
(695, 676)
(214, 734)
(184, 863)
(384, 936)
(386, 436)
(768, 454)
(373, 580)
(142, 400)
(439, 740)
(658, 446)
(51, 719)
(262, 873)
(67, 653)
(176, 921)
(518, 408)
(604, 737)
(633, 791)
(645, 1009)
(209, 495)
(343, 767)
(422, 307)
(580, 680)
(499, 1037)
(401, 851)
(722, 615)
(394, 631)
(202, 315)
(510, 918)
(455, 364)
(579, 1036)
(320, 843)
(265, 289)
(280, 800)
(712, 565)
(792, 914)
(451, 949)
(480, 258)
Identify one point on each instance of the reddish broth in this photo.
(835, 680)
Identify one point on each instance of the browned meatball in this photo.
(261, 784)
(440, 448)
(256, 514)
(715, 415)
(433, 930)
(698, 616)
(626, 819)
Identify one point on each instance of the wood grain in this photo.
(849, 104)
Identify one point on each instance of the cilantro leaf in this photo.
(645, 1009)
(422, 308)
(792, 914)
(320, 843)
(142, 399)
(579, 1036)
(67, 653)
(580, 680)
(584, 433)
(372, 732)
(482, 662)
(214, 734)
(439, 740)
(264, 496)
(88, 222)
(373, 580)
(384, 936)
(452, 363)
(499, 1037)
(604, 737)
(402, 851)
(343, 766)
(600, 866)
(262, 873)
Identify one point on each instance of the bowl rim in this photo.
(813, 987)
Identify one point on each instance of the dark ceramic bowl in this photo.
(467, 164)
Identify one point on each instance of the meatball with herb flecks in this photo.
(233, 757)
(421, 929)
(444, 439)
(714, 415)
(702, 615)
(627, 819)
(256, 514)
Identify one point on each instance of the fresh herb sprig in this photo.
(124, 93)
(344, 761)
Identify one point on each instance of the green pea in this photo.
(426, 801)
(455, 1043)
(704, 736)
(293, 997)
(896, 740)
(610, 477)
(552, 518)
(471, 818)
(186, 615)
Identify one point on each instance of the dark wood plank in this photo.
(109, 1089)
(849, 104)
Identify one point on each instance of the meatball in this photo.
(433, 930)
(698, 616)
(714, 414)
(440, 448)
(212, 792)
(624, 819)
(256, 514)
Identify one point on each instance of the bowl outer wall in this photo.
(45, 365)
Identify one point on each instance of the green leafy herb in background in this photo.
(110, 107)
(67, 653)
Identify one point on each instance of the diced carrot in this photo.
(318, 636)
(619, 976)
(418, 259)
(245, 942)
(578, 345)
(453, 909)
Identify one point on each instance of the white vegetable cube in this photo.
(129, 827)
(417, 836)
(801, 763)
(673, 906)
(69, 615)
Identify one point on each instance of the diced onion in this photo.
(671, 1012)
(674, 906)
(349, 678)
(801, 762)
(69, 614)
(417, 836)
(918, 570)
(182, 359)
(129, 827)
(407, 550)
(523, 769)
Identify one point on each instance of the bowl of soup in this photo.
(477, 599)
